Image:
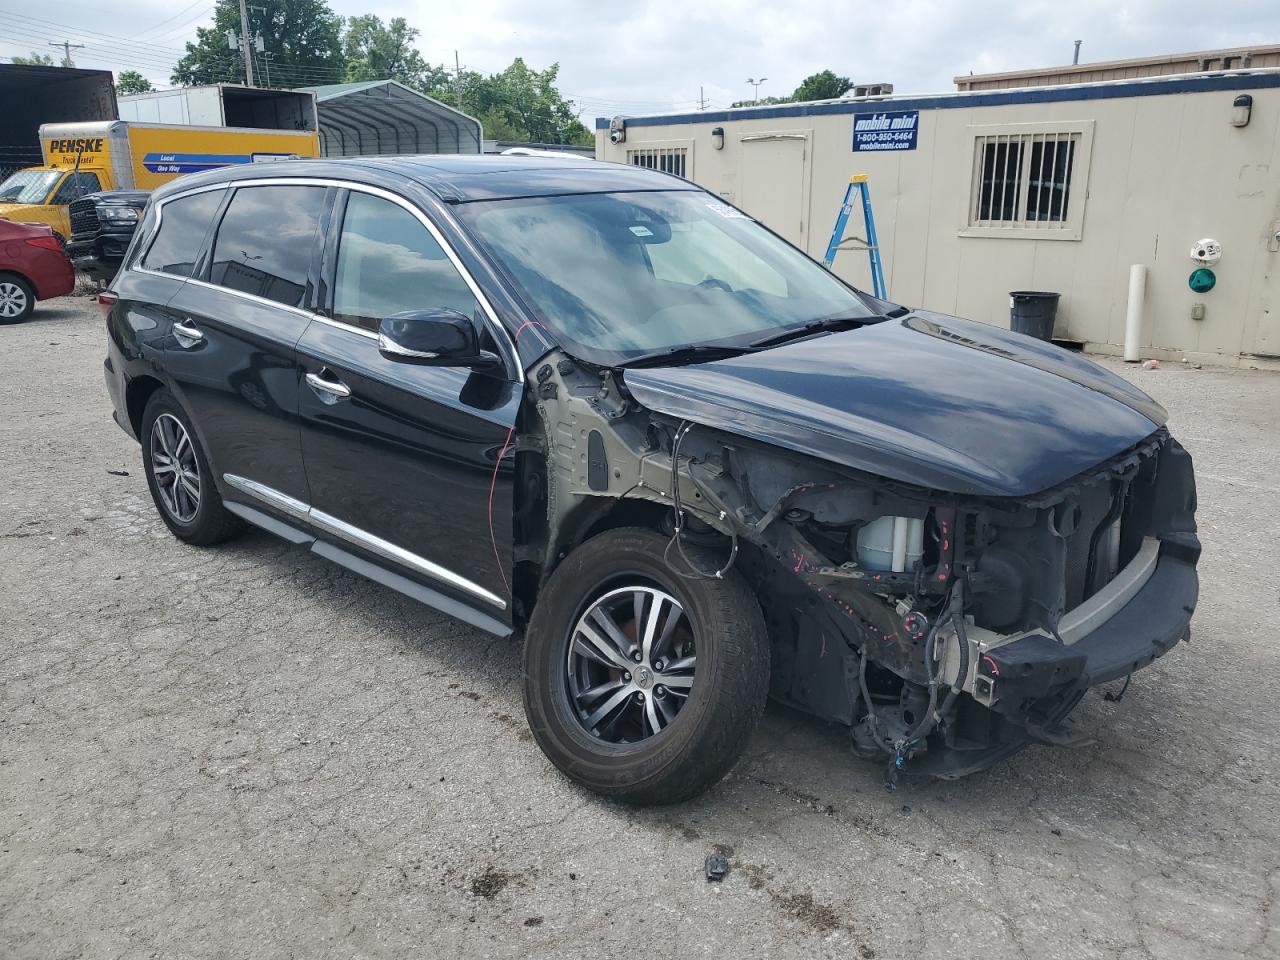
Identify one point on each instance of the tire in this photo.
(201, 520)
(17, 298)
(623, 758)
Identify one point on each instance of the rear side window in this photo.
(265, 242)
(183, 224)
(388, 262)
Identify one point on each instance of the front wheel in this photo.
(638, 683)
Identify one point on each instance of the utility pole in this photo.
(67, 46)
(1076, 57)
(246, 45)
(457, 80)
(702, 100)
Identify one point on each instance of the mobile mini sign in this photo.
(888, 130)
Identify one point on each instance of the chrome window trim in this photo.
(514, 368)
(340, 528)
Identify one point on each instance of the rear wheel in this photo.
(179, 476)
(17, 298)
(638, 683)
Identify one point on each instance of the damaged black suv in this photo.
(597, 406)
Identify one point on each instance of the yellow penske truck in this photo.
(85, 158)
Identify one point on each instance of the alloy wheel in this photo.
(13, 299)
(175, 468)
(631, 664)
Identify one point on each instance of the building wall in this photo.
(1165, 170)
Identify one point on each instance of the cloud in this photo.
(660, 55)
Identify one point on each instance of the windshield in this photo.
(622, 275)
(29, 186)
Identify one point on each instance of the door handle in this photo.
(186, 333)
(330, 391)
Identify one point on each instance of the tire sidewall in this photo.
(161, 402)
(633, 557)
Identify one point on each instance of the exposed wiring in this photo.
(696, 572)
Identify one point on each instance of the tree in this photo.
(377, 52)
(303, 36)
(822, 86)
(762, 102)
(131, 81)
(522, 104)
(35, 60)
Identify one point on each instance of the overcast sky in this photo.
(649, 57)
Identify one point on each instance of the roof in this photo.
(387, 118)
(461, 178)
(1168, 59)
(1105, 90)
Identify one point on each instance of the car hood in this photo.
(927, 399)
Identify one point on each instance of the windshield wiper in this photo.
(684, 354)
(824, 325)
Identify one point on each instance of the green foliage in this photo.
(521, 104)
(35, 60)
(763, 101)
(131, 81)
(375, 51)
(822, 86)
(303, 36)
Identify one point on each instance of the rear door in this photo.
(404, 461)
(232, 355)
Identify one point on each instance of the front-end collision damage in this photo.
(947, 630)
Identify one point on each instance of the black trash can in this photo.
(1032, 312)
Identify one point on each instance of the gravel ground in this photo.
(247, 752)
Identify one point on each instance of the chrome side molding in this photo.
(361, 538)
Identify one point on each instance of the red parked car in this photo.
(32, 267)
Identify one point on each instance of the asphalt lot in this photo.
(247, 752)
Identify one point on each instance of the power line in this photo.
(184, 10)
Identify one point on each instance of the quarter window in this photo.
(183, 225)
(388, 263)
(265, 242)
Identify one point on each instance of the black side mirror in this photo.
(438, 338)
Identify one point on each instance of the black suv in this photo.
(596, 405)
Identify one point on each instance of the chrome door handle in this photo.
(330, 390)
(185, 331)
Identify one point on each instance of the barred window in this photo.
(665, 159)
(1029, 178)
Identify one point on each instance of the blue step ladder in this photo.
(858, 184)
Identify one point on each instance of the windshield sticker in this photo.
(642, 231)
(725, 210)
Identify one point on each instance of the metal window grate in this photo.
(1023, 180)
(665, 159)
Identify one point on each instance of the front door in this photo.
(232, 354)
(404, 461)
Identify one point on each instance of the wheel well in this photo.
(136, 395)
(18, 276)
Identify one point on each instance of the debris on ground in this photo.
(717, 866)
(118, 473)
(1150, 364)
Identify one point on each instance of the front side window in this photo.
(77, 185)
(621, 275)
(265, 242)
(388, 263)
(183, 225)
(29, 186)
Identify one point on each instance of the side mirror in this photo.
(438, 338)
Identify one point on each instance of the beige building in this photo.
(1136, 68)
(1057, 188)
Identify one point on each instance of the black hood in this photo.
(927, 399)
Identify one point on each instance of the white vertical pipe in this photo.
(915, 538)
(899, 544)
(1133, 317)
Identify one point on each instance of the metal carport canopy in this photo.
(386, 118)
